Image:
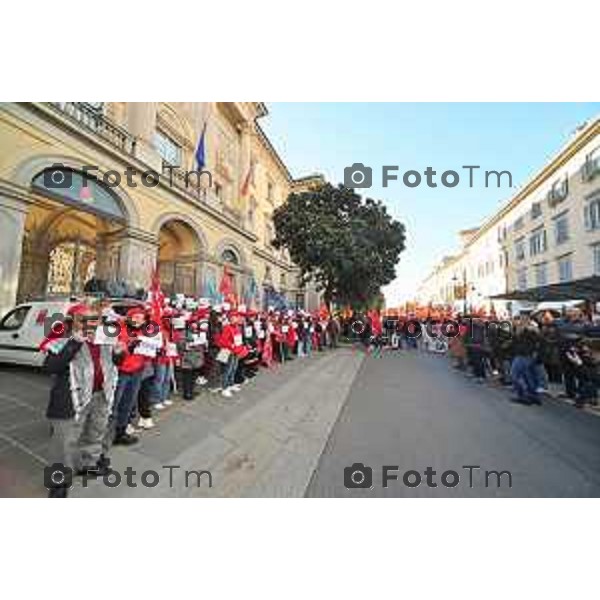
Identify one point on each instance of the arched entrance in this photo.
(70, 265)
(72, 236)
(231, 258)
(179, 258)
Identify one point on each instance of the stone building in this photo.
(547, 234)
(116, 223)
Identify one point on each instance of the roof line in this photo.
(588, 132)
(270, 148)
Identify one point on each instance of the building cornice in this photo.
(583, 137)
(266, 255)
(267, 144)
(564, 155)
(54, 115)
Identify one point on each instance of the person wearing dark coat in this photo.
(84, 378)
(523, 375)
(191, 352)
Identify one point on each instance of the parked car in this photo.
(22, 329)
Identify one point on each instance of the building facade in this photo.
(113, 225)
(467, 280)
(547, 233)
(554, 231)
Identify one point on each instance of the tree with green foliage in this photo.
(347, 245)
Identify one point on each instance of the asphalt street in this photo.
(413, 412)
(297, 429)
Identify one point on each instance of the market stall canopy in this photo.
(580, 289)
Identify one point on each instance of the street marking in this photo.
(21, 403)
(23, 448)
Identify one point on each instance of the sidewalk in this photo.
(555, 390)
(266, 441)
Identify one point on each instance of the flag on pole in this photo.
(226, 287)
(249, 180)
(252, 291)
(201, 149)
(210, 287)
(155, 297)
(324, 312)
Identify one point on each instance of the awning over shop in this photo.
(580, 289)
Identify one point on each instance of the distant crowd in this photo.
(525, 353)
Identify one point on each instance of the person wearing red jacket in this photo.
(292, 337)
(230, 343)
(130, 378)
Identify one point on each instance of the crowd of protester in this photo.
(112, 374)
(528, 354)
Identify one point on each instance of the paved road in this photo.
(266, 441)
(408, 410)
(414, 412)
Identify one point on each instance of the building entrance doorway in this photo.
(70, 266)
(179, 260)
(72, 237)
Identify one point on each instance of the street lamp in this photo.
(464, 289)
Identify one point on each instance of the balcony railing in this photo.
(93, 120)
(558, 193)
(590, 168)
(188, 183)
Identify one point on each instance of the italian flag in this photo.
(249, 180)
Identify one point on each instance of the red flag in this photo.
(376, 325)
(347, 312)
(226, 286)
(156, 298)
(323, 311)
(249, 180)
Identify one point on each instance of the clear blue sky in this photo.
(518, 137)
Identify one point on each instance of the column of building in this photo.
(14, 204)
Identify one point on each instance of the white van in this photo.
(22, 328)
(22, 331)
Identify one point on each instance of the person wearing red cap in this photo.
(83, 387)
(229, 342)
(130, 379)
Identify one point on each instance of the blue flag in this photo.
(200, 150)
(252, 291)
(210, 287)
